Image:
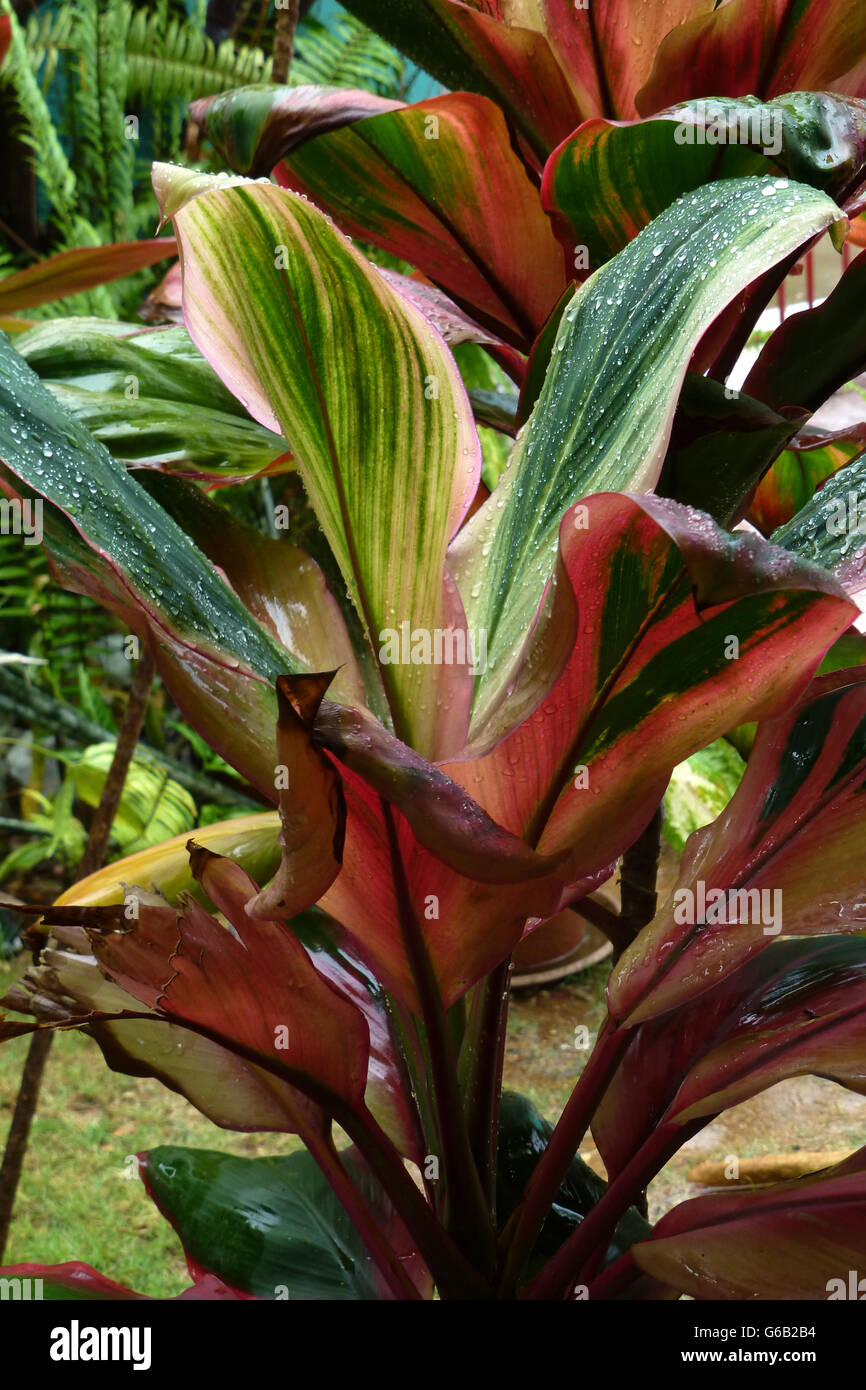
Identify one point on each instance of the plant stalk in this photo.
(325, 1154)
(482, 1056)
(616, 1278)
(469, 1220)
(560, 1273)
(638, 875)
(525, 1225)
(284, 40)
(94, 853)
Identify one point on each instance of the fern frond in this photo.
(47, 36)
(346, 54)
(37, 129)
(105, 156)
(183, 63)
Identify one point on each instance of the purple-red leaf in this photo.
(762, 47)
(793, 1241)
(785, 856)
(255, 127)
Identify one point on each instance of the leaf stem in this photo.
(323, 1151)
(561, 1272)
(526, 1223)
(617, 1277)
(468, 1217)
(481, 1063)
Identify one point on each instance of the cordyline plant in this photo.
(478, 713)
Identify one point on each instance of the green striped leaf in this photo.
(320, 348)
(150, 397)
(110, 539)
(189, 441)
(609, 179)
(830, 530)
(603, 418)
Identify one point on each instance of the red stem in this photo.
(469, 1218)
(561, 1273)
(484, 1055)
(615, 1279)
(564, 1142)
(322, 1150)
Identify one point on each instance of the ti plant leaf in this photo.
(151, 398)
(760, 46)
(112, 540)
(84, 267)
(273, 1227)
(796, 1240)
(609, 179)
(814, 456)
(407, 182)
(254, 127)
(814, 353)
(797, 1008)
(722, 444)
(830, 530)
(390, 461)
(785, 855)
(604, 415)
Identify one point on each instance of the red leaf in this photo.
(762, 48)
(793, 1241)
(70, 272)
